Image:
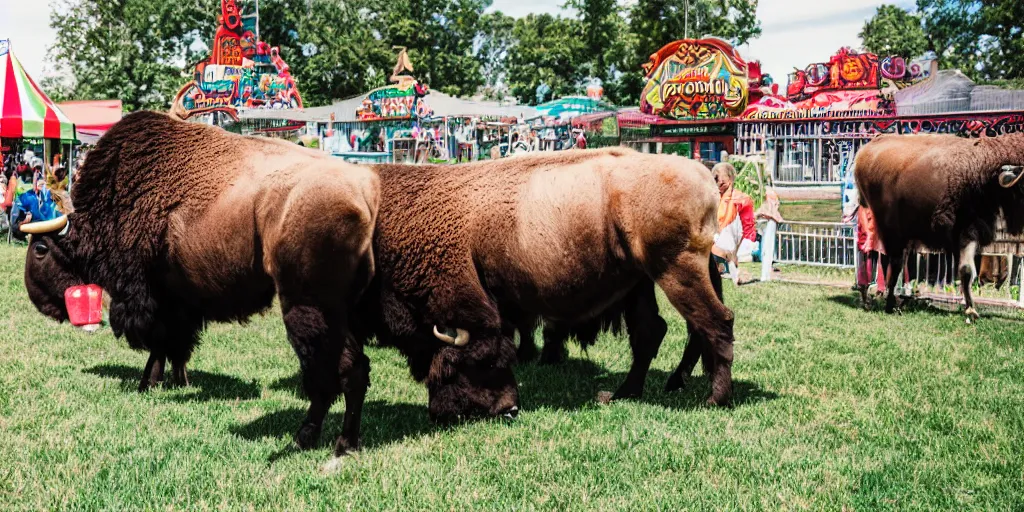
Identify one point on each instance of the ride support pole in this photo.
(768, 250)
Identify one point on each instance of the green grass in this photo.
(836, 409)
(812, 211)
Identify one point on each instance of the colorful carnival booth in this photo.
(242, 72)
(34, 133)
(694, 92)
(831, 109)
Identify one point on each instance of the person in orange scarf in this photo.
(737, 233)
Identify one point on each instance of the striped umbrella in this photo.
(25, 110)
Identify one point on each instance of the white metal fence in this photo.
(831, 244)
(824, 244)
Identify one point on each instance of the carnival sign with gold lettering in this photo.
(695, 79)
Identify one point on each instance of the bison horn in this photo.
(1010, 176)
(460, 339)
(47, 226)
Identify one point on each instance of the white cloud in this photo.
(795, 33)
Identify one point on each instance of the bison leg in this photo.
(696, 345)
(355, 369)
(554, 351)
(183, 336)
(153, 373)
(319, 358)
(527, 350)
(688, 285)
(646, 331)
(892, 277)
(967, 273)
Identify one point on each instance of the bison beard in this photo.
(184, 224)
(491, 247)
(944, 192)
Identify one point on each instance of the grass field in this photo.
(830, 210)
(835, 409)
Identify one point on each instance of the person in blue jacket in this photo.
(37, 203)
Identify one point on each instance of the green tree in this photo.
(598, 22)
(132, 50)
(441, 37)
(655, 23)
(331, 50)
(495, 40)
(546, 50)
(982, 38)
(894, 31)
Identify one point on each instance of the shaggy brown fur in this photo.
(560, 236)
(183, 224)
(940, 191)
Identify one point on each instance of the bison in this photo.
(944, 192)
(466, 254)
(184, 224)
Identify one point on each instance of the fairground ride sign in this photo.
(695, 79)
(241, 72)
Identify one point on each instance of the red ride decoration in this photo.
(85, 304)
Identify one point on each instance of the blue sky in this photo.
(794, 32)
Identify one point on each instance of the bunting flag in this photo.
(25, 110)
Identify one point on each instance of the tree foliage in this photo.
(982, 38)
(894, 31)
(655, 23)
(141, 50)
(332, 53)
(132, 50)
(546, 50)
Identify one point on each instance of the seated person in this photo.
(37, 203)
(737, 236)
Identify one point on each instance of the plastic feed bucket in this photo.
(85, 305)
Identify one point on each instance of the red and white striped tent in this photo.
(25, 110)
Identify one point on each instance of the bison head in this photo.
(48, 267)
(472, 378)
(1010, 175)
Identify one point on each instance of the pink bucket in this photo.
(85, 305)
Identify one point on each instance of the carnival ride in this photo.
(240, 73)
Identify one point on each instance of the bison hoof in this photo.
(307, 436)
(675, 383)
(972, 315)
(719, 402)
(343, 447)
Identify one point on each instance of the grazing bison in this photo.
(944, 192)
(468, 253)
(184, 224)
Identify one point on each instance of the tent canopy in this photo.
(92, 118)
(25, 110)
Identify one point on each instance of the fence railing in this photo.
(831, 244)
(825, 244)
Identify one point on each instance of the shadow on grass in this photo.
(572, 385)
(208, 386)
(383, 424)
(575, 384)
(917, 304)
